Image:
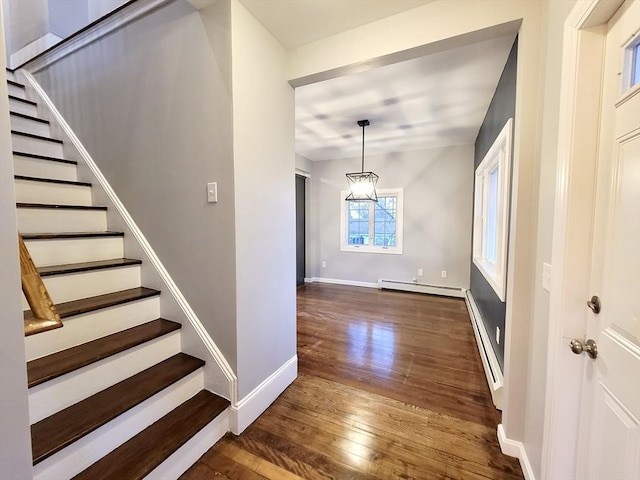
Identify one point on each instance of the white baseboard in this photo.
(421, 288)
(492, 370)
(339, 281)
(245, 411)
(515, 449)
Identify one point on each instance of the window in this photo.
(372, 227)
(490, 215)
(631, 76)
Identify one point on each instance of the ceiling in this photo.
(427, 102)
(296, 22)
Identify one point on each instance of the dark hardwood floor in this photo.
(390, 386)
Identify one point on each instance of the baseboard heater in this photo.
(492, 370)
(421, 288)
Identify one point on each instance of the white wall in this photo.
(99, 8)
(15, 439)
(263, 129)
(438, 191)
(556, 13)
(152, 104)
(67, 17)
(24, 22)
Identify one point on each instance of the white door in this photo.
(609, 436)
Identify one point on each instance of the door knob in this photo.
(594, 304)
(589, 346)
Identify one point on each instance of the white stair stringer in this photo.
(33, 191)
(52, 396)
(74, 286)
(83, 328)
(42, 168)
(219, 376)
(82, 453)
(61, 251)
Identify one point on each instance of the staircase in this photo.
(111, 394)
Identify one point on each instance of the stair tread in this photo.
(53, 433)
(44, 157)
(85, 305)
(29, 117)
(52, 236)
(51, 180)
(15, 84)
(137, 457)
(87, 266)
(61, 207)
(56, 364)
(13, 97)
(37, 137)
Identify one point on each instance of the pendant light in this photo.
(362, 185)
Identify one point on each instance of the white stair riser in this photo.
(29, 126)
(34, 167)
(36, 146)
(183, 458)
(89, 449)
(21, 107)
(10, 75)
(74, 286)
(62, 392)
(51, 220)
(74, 250)
(90, 326)
(16, 91)
(28, 191)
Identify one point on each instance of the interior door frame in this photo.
(580, 97)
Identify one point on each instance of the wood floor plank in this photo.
(390, 385)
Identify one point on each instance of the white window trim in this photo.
(382, 192)
(498, 155)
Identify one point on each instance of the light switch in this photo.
(546, 277)
(212, 192)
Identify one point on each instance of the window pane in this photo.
(384, 223)
(358, 223)
(491, 236)
(635, 65)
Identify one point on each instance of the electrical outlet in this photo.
(212, 192)
(443, 274)
(498, 335)
(420, 272)
(324, 264)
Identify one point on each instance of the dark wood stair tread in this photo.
(53, 433)
(13, 97)
(70, 235)
(87, 266)
(37, 137)
(15, 84)
(52, 366)
(59, 207)
(137, 457)
(86, 305)
(44, 157)
(29, 117)
(51, 180)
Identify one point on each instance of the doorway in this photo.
(300, 227)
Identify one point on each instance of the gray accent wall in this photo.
(501, 109)
(438, 186)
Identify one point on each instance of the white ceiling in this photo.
(428, 102)
(296, 22)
